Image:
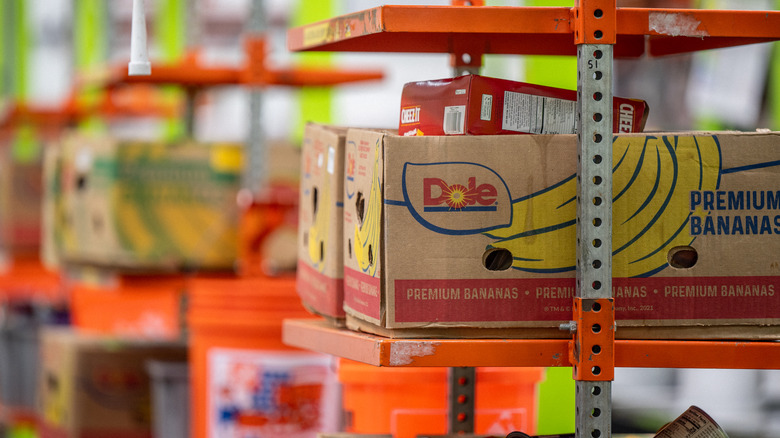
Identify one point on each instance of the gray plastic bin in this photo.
(19, 352)
(170, 398)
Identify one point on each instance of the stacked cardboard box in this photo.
(320, 261)
(97, 386)
(21, 194)
(475, 235)
(143, 206)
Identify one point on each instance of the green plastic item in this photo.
(556, 402)
(315, 102)
(556, 393)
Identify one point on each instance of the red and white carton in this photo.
(479, 105)
(693, 423)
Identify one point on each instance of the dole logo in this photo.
(410, 115)
(456, 197)
(349, 169)
(440, 196)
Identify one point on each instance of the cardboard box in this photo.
(21, 195)
(146, 206)
(320, 258)
(479, 105)
(52, 211)
(475, 235)
(97, 386)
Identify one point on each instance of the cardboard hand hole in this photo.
(360, 207)
(81, 182)
(314, 198)
(683, 257)
(497, 259)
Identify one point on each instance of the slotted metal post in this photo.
(462, 387)
(255, 170)
(592, 346)
(463, 380)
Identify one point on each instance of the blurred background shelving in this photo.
(55, 76)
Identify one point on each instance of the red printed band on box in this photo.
(322, 293)
(660, 298)
(363, 293)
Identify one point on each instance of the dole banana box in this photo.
(479, 105)
(149, 206)
(320, 270)
(475, 235)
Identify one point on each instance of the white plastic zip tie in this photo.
(139, 58)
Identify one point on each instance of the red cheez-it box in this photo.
(479, 105)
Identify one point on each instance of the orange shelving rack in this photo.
(596, 31)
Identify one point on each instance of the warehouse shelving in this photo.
(596, 31)
(531, 30)
(322, 336)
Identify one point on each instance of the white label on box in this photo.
(272, 394)
(454, 119)
(487, 107)
(331, 160)
(83, 161)
(537, 114)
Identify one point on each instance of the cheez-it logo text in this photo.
(410, 115)
(626, 121)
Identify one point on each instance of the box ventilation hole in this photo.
(682, 257)
(81, 182)
(360, 207)
(314, 198)
(497, 259)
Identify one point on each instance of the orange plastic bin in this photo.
(244, 380)
(135, 306)
(407, 402)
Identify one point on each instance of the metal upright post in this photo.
(255, 170)
(463, 380)
(462, 388)
(592, 348)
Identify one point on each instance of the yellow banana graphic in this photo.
(367, 231)
(652, 179)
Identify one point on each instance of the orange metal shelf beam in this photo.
(530, 30)
(135, 100)
(189, 72)
(188, 75)
(26, 278)
(319, 335)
